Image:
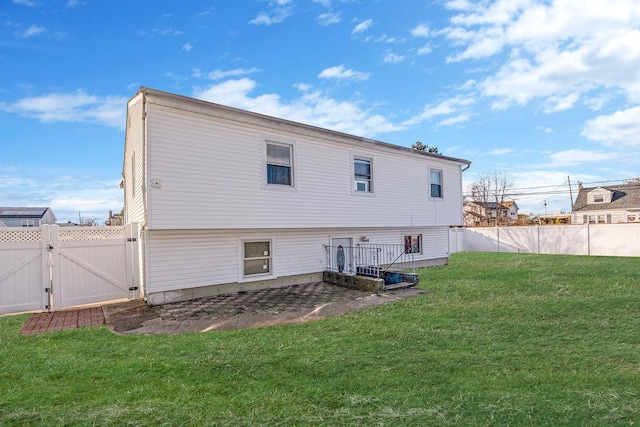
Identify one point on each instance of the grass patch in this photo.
(503, 339)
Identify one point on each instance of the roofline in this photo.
(316, 129)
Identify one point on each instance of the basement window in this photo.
(257, 258)
(413, 244)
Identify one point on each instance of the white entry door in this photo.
(342, 254)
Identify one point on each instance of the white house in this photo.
(229, 200)
(607, 205)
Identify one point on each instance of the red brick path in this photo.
(63, 320)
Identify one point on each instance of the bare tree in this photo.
(87, 222)
(488, 196)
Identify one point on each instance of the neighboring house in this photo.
(229, 200)
(26, 217)
(607, 205)
(114, 219)
(490, 213)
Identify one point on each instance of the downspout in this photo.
(461, 192)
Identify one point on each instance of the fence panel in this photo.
(54, 267)
(91, 266)
(601, 239)
(24, 272)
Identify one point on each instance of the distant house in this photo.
(229, 200)
(26, 217)
(490, 213)
(114, 219)
(607, 205)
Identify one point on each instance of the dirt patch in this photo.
(122, 317)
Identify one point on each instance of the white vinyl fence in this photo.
(52, 267)
(598, 240)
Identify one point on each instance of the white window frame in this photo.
(370, 185)
(441, 183)
(256, 276)
(420, 243)
(27, 223)
(292, 164)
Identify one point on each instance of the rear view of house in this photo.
(228, 200)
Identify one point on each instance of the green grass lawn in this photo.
(502, 339)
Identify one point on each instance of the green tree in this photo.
(418, 145)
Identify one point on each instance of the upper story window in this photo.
(435, 181)
(362, 177)
(279, 164)
(27, 223)
(599, 195)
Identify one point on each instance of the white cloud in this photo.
(461, 118)
(557, 50)
(329, 18)
(341, 73)
(76, 3)
(25, 2)
(187, 47)
(422, 30)
(577, 156)
(237, 72)
(71, 107)
(222, 74)
(32, 31)
(393, 58)
(448, 107)
(500, 151)
(620, 128)
(425, 50)
(313, 108)
(561, 103)
(325, 3)
(276, 15)
(362, 26)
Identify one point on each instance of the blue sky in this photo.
(541, 90)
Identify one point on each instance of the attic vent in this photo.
(598, 198)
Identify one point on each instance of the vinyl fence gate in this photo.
(53, 267)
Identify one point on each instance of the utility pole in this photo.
(570, 195)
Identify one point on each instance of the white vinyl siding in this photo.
(194, 156)
(183, 259)
(133, 163)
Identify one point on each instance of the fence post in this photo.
(45, 240)
(132, 278)
(588, 240)
(54, 250)
(538, 230)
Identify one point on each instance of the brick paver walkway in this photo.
(264, 302)
(63, 320)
